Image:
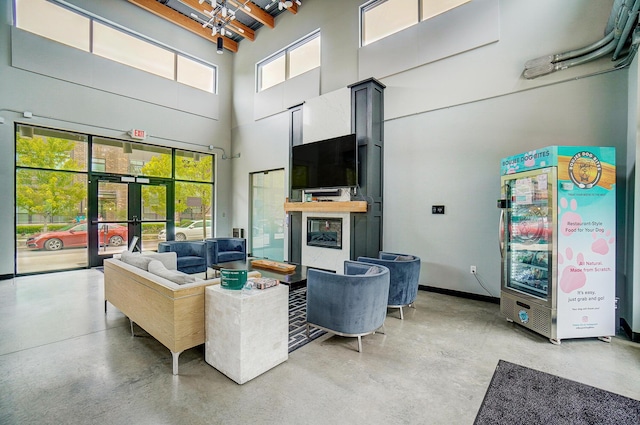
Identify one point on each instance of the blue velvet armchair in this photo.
(223, 250)
(404, 277)
(192, 255)
(352, 304)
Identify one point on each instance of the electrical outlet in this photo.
(472, 269)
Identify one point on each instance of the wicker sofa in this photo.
(172, 313)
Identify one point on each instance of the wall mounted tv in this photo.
(325, 164)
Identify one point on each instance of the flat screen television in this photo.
(325, 164)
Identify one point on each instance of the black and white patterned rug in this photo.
(298, 320)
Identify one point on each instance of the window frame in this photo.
(286, 52)
(129, 32)
(372, 4)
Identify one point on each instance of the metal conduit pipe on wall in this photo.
(621, 20)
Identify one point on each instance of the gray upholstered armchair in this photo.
(404, 277)
(223, 250)
(352, 304)
(192, 256)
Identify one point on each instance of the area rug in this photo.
(298, 320)
(519, 395)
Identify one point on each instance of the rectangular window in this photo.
(99, 165)
(193, 207)
(129, 158)
(50, 149)
(432, 8)
(53, 22)
(298, 58)
(196, 74)
(194, 166)
(73, 28)
(128, 50)
(381, 18)
(304, 57)
(273, 72)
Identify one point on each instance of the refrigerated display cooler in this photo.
(557, 241)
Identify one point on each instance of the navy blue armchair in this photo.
(192, 255)
(352, 304)
(404, 277)
(223, 250)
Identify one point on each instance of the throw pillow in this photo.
(373, 270)
(405, 258)
(156, 267)
(136, 259)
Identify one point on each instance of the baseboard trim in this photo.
(6, 276)
(460, 294)
(633, 336)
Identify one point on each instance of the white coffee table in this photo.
(247, 332)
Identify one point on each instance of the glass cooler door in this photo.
(528, 233)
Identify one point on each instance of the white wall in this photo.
(448, 123)
(75, 106)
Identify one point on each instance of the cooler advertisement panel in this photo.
(580, 274)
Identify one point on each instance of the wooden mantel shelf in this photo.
(328, 206)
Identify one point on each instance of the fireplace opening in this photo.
(324, 232)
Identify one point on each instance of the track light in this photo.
(219, 43)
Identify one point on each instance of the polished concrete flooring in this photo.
(63, 361)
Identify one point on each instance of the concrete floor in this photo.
(63, 361)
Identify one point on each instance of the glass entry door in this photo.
(267, 214)
(126, 209)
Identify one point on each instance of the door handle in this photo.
(501, 233)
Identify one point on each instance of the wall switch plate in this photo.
(437, 209)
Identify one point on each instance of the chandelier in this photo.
(220, 21)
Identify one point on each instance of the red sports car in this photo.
(75, 235)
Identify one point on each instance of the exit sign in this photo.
(136, 133)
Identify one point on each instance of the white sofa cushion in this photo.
(157, 268)
(141, 261)
(136, 259)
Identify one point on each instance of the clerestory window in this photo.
(381, 18)
(294, 60)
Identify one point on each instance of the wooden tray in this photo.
(274, 265)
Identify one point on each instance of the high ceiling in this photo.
(193, 14)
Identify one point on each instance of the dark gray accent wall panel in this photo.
(295, 218)
(367, 122)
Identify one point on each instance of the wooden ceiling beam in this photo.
(293, 8)
(183, 21)
(241, 29)
(256, 12)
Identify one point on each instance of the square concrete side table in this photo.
(247, 332)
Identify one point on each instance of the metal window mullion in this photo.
(287, 64)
